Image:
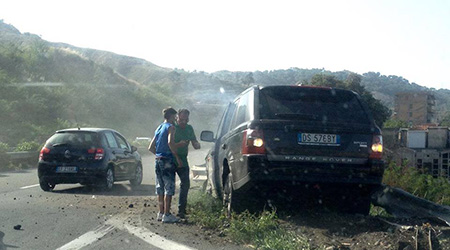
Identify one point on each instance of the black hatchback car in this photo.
(292, 136)
(90, 156)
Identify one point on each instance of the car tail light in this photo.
(43, 152)
(376, 151)
(99, 153)
(253, 142)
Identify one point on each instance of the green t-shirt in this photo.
(184, 134)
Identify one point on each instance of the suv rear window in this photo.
(300, 103)
(76, 139)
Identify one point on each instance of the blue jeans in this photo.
(165, 176)
(183, 173)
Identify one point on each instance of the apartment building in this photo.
(416, 108)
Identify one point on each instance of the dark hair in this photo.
(167, 112)
(184, 111)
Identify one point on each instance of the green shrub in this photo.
(28, 146)
(206, 210)
(264, 231)
(4, 147)
(261, 231)
(420, 184)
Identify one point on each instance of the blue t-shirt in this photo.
(162, 140)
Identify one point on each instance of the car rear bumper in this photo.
(85, 174)
(259, 169)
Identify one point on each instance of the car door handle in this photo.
(224, 146)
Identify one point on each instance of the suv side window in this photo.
(225, 125)
(111, 140)
(122, 142)
(244, 106)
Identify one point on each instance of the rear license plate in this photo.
(66, 169)
(319, 139)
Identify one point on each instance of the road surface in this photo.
(75, 216)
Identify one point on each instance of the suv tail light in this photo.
(99, 153)
(376, 151)
(43, 152)
(253, 142)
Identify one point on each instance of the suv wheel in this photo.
(231, 199)
(109, 179)
(46, 186)
(137, 179)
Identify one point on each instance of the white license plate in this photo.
(319, 139)
(66, 169)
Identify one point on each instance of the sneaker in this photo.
(169, 218)
(181, 215)
(159, 216)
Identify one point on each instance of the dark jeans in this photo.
(183, 173)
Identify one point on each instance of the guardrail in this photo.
(22, 157)
(199, 173)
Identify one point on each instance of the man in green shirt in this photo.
(184, 133)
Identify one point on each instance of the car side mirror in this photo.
(207, 136)
(133, 149)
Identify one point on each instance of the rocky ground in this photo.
(324, 229)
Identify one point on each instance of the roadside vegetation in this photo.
(265, 230)
(418, 182)
(259, 231)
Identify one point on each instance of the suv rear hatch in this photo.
(309, 122)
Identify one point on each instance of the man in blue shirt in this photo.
(163, 146)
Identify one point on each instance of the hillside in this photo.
(98, 88)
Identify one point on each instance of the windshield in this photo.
(326, 105)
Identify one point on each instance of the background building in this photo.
(416, 108)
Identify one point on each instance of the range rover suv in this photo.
(90, 156)
(294, 135)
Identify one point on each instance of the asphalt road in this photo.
(74, 216)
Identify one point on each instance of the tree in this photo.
(393, 123)
(327, 81)
(353, 82)
(379, 111)
(248, 80)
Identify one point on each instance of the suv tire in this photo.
(232, 200)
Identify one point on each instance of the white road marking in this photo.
(146, 235)
(121, 222)
(31, 186)
(88, 238)
(154, 239)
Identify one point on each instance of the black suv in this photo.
(90, 156)
(294, 135)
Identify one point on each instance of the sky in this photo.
(407, 38)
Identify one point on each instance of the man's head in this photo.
(183, 117)
(169, 114)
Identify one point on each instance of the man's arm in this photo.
(172, 145)
(152, 146)
(194, 141)
(195, 144)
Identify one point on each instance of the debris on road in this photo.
(18, 227)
